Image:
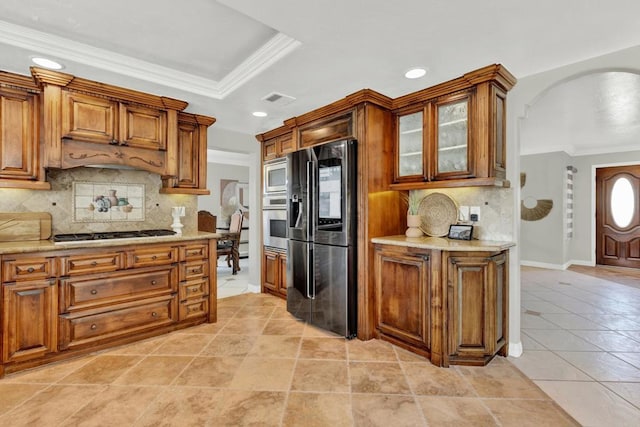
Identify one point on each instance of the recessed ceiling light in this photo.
(415, 73)
(259, 114)
(47, 63)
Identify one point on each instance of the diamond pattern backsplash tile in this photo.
(140, 188)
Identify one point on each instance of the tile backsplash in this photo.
(496, 207)
(60, 201)
(107, 202)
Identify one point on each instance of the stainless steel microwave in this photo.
(275, 176)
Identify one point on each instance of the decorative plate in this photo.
(438, 212)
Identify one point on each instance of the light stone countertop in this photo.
(443, 243)
(49, 245)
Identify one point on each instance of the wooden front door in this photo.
(618, 216)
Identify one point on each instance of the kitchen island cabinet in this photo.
(444, 299)
(60, 300)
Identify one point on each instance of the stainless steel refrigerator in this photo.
(322, 232)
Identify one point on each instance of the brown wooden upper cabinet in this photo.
(20, 160)
(191, 176)
(453, 134)
(98, 119)
(278, 146)
(433, 143)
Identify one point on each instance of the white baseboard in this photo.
(556, 266)
(582, 262)
(515, 349)
(544, 265)
(254, 289)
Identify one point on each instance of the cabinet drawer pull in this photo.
(195, 270)
(153, 282)
(94, 326)
(30, 270)
(154, 257)
(94, 291)
(154, 314)
(194, 290)
(94, 263)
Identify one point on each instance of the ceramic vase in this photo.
(113, 198)
(413, 224)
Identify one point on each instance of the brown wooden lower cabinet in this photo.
(274, 272)
(402, 292)
(448, 306)
(55, 306)
(29, 320)
(476, 302)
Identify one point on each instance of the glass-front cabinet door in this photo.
(410, 149)
(452, 148)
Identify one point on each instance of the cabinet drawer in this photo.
(78, 330)
(157, 255)
(194, 289)
(91, 263)
(28, 268)
(193, 270)
(194, 308)
(97, 290)
(194, 251)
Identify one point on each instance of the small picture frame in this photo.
(460, 232)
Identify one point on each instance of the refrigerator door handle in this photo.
(311, 189)
(310, 267)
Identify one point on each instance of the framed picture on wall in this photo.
(460, 232)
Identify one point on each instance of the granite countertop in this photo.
(49, 245)
(443, 243)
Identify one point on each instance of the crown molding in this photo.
(62, 48)
(228, 158)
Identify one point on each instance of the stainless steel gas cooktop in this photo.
(78, 237)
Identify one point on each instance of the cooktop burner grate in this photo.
(105, 235)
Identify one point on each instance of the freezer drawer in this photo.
(334, 293)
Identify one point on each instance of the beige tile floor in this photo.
(259, 366)
(581, 337)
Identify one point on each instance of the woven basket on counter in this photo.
(438, 212)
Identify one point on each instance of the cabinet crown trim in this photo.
(45, 77)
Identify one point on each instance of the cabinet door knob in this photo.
(94, 263)
(94, 326)
(94, 292)
(30, 270)
(154, 314)
(154, 257)
(153, 282)
(194, 290)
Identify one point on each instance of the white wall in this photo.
(243, 151)
(543, 242)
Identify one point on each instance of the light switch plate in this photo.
(463, 213)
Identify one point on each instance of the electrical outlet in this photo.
(464, 213)
(474, 213)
